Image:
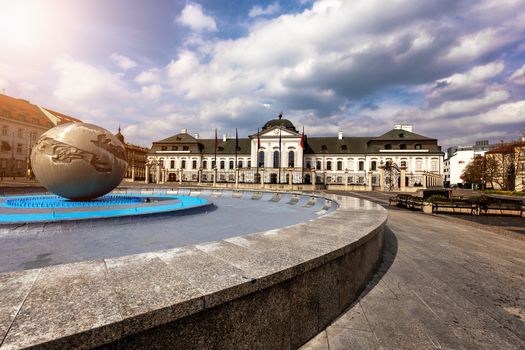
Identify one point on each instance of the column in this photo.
(133, 173)
(180, 176)
(402, 176)
(382, 179)
(262, 177)
(290, 178)
(147, 174)
(369, 182)
(200, 176)
(346, 180)
(313, 179)
(236, 178)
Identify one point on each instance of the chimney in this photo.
(184, 131)
(223, 137)
(407, 127)
(197, 135)
(340, 135)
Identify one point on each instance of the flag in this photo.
(236, 140)
(302, 139)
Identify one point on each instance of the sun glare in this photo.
(30, 25)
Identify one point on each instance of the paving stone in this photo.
(319, 342)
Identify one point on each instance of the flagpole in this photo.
(257, 154)
(215, 154)
(236, 147)
(280, 155)
(302, 160)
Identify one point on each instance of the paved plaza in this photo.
(445, 283)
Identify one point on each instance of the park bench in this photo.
(455, 205)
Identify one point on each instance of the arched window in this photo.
(318, 165)
(205, 164)
(222, 164)
(183, 164)
(239, 164)
(261, 158)
(388, 146)
(231, 164)
(417, 146)
(329, 165)
(276, 160)
(361, 165)
(339, 165)
(172, 164)
(373, 165)
(291, 159)
(308, 164)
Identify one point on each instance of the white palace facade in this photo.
(279, 156)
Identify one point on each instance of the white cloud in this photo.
(193, 16)
(148, 76)
(271, 9)
(151, 91)
(122, 61)
(88, 89)
(518, 77)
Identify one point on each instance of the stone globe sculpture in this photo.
(79, 161)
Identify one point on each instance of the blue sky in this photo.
(455, 69)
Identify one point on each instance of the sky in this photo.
(454, 69)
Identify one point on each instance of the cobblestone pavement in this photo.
(444, 283)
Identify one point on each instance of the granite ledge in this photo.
(131, 294)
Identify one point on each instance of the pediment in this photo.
(274, 132)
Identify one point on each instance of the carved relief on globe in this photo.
(79, 161)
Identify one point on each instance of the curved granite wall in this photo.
(272, 290)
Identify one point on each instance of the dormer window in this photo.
(417, 146)
(324, 148)
(185, 148)
(344, 148)
(174, 148)
(388, 146)
(402, 146)
(220, 148)
(401, 135)
(164, 148)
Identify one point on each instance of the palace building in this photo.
(279, 155)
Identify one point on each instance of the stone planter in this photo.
(427, 208)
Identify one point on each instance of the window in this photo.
(318, 165)
(220, 149)
(213, 164)
(185, 148)
(18, 148)
(239, 164)
(20, 133)
(404, 163)
(291, 159)
(339, 165)
(276, 160)
(261, 159)
(172, 164)
(373, 165)
(402, 146)
(163, 148)
(19, 164)
(249, 163)
(194, 164)
(183, 164)
(417, 146)
(329, 165)
(419, 165)
(4, 130)
(35, 121)
(174, 148)
(308, 164)
(205, 164)
(361, 165)
(231, 164)
(344, 148)
(222, 164)
(388, 146)
(324, 148)
(4, 163)
(434, 165)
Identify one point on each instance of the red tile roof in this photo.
(63, 118)
(22, 111)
